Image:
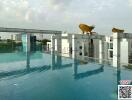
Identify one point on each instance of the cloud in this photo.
(130, 3)
(13, 9)
(59, 4)
(29, 10)
(62, 14)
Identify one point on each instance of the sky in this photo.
(66, 15)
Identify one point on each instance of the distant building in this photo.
(18, 37)
(32, 43)
(12, 37)
(28, 45)
(39, 36)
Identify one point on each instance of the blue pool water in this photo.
(41, 76)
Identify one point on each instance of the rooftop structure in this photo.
(116, 48)
(2, 29)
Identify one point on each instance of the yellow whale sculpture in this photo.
(117, 30)
(86, 28)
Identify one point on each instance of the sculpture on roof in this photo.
(116, 30)
(86, 28)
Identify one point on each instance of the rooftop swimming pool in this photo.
(42, 76)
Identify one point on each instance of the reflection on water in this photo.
(89, 74)
(28, 60)
(18, 73)
(57, 63)
(118, 75)
(23, 71)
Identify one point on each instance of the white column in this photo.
(105, 51)
(124, 51)
(83, 44)
(59, 43)
(53, 52)
(26, 42)
(101, 50)
(74, 44)
(116, 49)
(96, 48)
(87, 46)
(52, 44)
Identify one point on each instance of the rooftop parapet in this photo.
(122, 35)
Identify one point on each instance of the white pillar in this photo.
(116, 49)
(83, 44)
(70, 44)
(101, 50)
(87, 46)
(52, 44)
(124, 52)
(74, 48)
(59, 43)
(26, 42)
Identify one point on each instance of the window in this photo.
(111, 46)
(108, 45)
(111, 54)
(80, 53)
(80, 47)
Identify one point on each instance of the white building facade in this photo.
(116, 48)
